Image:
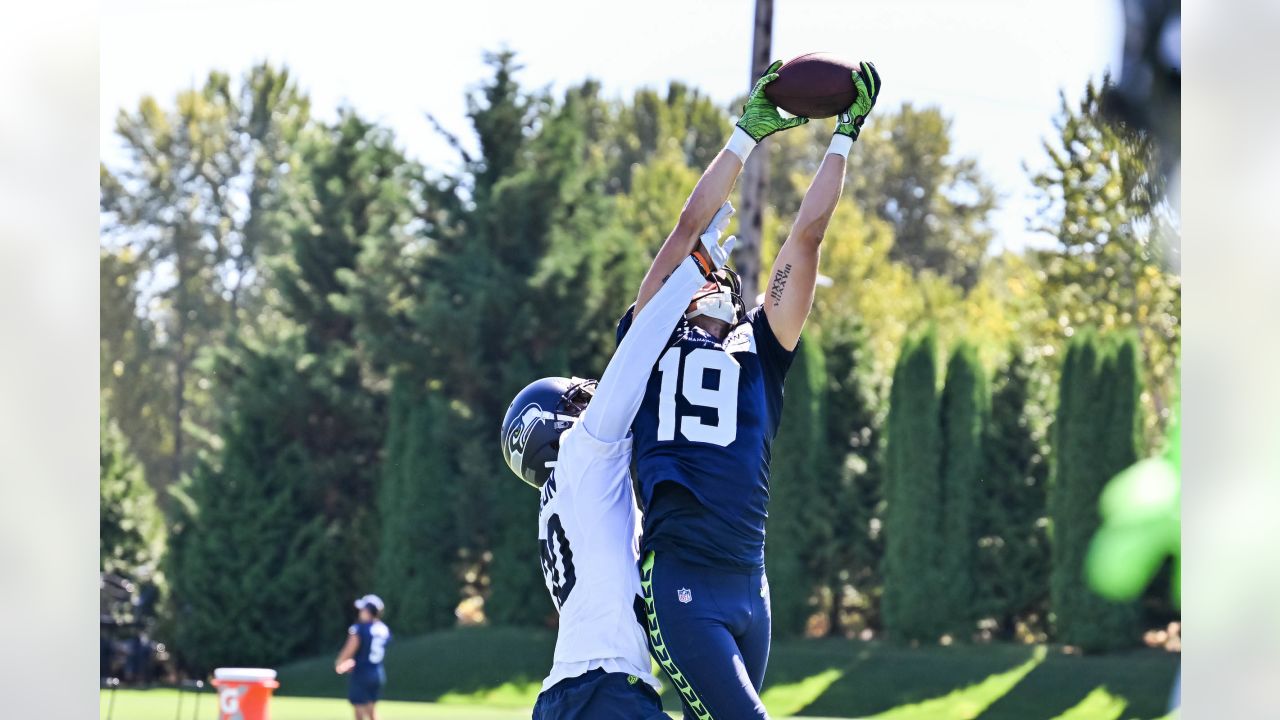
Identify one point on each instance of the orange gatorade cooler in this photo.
(244, 693)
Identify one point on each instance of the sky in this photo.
(995, 67)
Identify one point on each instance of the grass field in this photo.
(494, 673)
(163, 705)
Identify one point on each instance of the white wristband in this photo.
(840, 145)
(740, 144)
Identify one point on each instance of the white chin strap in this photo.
(715, 305)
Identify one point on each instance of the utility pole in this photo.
(755, 174)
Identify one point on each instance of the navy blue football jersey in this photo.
(701, 441)
(374, 637)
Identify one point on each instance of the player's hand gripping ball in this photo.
(866, 83)
(760, 117)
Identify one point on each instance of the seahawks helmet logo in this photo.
(518, 435)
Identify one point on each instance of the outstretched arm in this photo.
(759, 119)
(621, 390)
(707, 197)
(795, 271)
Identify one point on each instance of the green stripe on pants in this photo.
(659, 647)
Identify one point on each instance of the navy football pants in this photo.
(709, 630)
(598, 695)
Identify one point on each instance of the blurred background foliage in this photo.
(308, 340)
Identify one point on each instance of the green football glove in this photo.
(866, 85)
(760, 118)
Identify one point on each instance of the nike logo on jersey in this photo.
(742, 339)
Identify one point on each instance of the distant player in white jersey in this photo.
(571, 439)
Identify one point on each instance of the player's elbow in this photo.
(809, 235)
(687, 226)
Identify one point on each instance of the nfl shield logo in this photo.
(684, 595)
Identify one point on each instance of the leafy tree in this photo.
(964, 410)
(799, 529)
(1013, 549)
(1095, 437)
(914, 597)
(129, 525)
(683, 122)
(938, 204)
(905, 173)
(888, 299)
(195, 203)
(1104, 203)
(130, 365)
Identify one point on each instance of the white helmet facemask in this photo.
(718, 305)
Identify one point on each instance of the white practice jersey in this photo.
(589, 525)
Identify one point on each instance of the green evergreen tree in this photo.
(914, 597)
(1095, 436)
(129, 525)
(1013, 549)
(965, 401)
(354, 188)
(529, 271)
(798, 527)
(848, 558)
(418, 559)
(252, 570)
(507, 280)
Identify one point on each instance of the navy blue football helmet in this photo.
(535, 420)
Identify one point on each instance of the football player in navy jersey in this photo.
(362, 656)
(571, 439)
(702, 437)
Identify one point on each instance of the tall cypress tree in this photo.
(798, 526)
(1013, 550)
(1095, 437)
(417, 569)
(848, 562)
(965, 402)
(914, 597)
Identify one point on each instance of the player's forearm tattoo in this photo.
(779, 284)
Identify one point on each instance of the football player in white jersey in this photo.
(571, 439)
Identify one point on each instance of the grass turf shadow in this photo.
(1143, 678)
(878, 677)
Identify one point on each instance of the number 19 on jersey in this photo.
(723, 397)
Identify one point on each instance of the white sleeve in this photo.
(621, 388)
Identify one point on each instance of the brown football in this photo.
(813, 85)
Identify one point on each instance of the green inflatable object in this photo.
(1141, 512)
